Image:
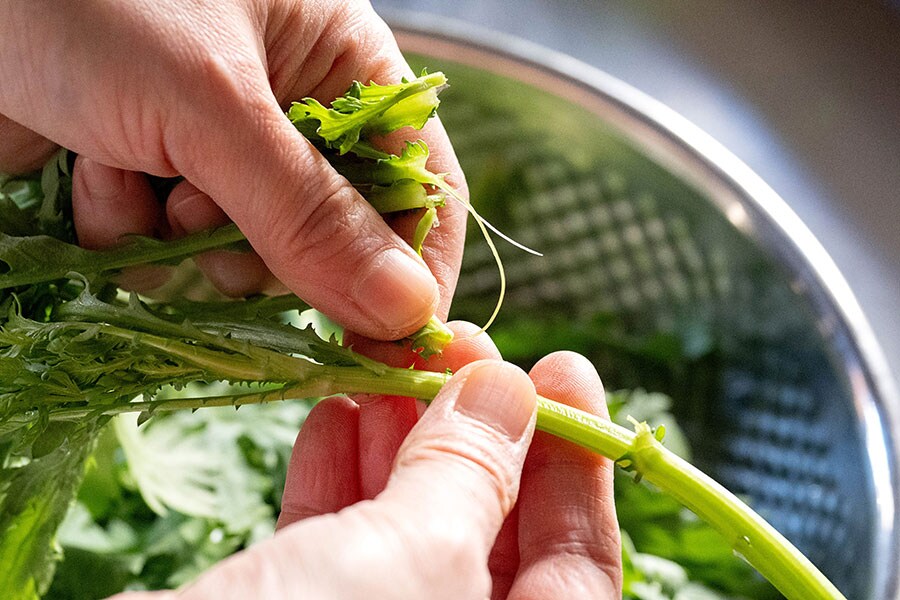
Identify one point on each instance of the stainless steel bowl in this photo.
(642, 215)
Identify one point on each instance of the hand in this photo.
(378, 505)
(197, 88)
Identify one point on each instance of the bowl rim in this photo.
(744, 198)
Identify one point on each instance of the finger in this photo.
(107, 205)
(503, 561)
(457, 472)
(455, 480)
(443, 246)
(235, 274)
(22, 150)
(385, 421)
(322, 476)
(568, 535)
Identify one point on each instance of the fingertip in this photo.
(473, 441)
(572, 379)
(235, 274)
(396, 291)
(564, 484)
(188, 210)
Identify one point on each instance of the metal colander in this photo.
(639, 215)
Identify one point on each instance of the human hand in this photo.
(197, 88)
(379, 504)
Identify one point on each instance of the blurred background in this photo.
(806, 93)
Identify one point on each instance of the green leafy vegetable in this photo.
(113, 533)
(36, 488)
(34, 259)
(373, 109)
(74, 352)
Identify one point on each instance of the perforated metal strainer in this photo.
(640, 215)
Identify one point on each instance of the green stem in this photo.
(748, 533)
(191, 245)
(69, 258)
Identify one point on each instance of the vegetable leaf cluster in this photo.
(75, 352)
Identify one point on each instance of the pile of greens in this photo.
(75, 351)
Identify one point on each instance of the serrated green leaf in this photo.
(56, 183)
(371, 109)
(34, 259)
(34, 497)
(409, 165)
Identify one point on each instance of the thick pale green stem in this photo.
(749, 534)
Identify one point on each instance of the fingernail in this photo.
(499, 395)
(397, 291)
(196, 213)
(103, 183)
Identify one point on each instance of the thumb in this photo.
(459, 467)
(308, 224)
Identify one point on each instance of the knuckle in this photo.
(322, 230)
(366, 40)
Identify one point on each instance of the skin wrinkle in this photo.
(23, 82)
(576, 533)
(579, 540)
(285, 75)
(576, 548)
(437, 244)
(328, 466)
(326, 231)
(544, 456)
(317, 482)
(353, 548)
(357, 47)
(572, 573)
(424, 514)
(377, 452)
(155, 27)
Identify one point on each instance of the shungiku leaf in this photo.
(375, 109)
